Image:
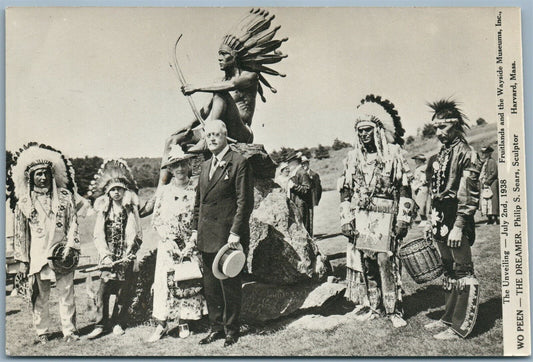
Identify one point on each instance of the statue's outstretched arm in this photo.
(241, 81)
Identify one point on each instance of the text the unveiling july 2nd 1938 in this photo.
(513, 229)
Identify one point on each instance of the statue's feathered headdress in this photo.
(253, 44)
(381, 113)
(112, 173)
(29, 158)
(447, 111)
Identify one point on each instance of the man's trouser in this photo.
(372, 281)
(119, 288)
(67, 305)
(223, 298)
(381, 282)
(461, 288)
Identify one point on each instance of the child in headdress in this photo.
(117, 236)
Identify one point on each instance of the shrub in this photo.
(339, 145)
(282, 154)
(429, 130)
(322, 152)
(480, 121)
(305, 151)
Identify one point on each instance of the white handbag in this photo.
(187, 270)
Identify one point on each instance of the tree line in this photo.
(146, 169)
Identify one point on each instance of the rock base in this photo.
(265, 302)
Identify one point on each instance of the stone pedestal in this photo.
(281, 250)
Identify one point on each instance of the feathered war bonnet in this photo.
(380, 113)
(28, 159)
(113, 173)
(253, 44)
(447, 111)
(388, 132)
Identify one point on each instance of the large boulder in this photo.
(281, 251)
(262, 164)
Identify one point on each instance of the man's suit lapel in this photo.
(218, 172)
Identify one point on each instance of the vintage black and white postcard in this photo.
(265, 182)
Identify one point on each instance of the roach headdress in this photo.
(447, 111)
(252, 41)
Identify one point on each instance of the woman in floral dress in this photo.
(172, 214)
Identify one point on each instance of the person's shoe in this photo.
(118, 330)
(363, 314)
(230, 339)
(445, 335)
(212, 336)
(97, 332)
(438, 324)
(42, 339)
(159, 332)
(397, 321)
(71, 338)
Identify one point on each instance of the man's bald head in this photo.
(215, 125)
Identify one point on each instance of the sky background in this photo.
(96, 81)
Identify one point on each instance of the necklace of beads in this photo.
(439, 173)
(117, 238)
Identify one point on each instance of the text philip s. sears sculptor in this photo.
(513, 231)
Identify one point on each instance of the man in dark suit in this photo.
(300, 185)
(224, 202)
(316, 192)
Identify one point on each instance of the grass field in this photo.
(333, 332)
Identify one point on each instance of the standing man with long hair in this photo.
(376, 211)
(45, 223)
